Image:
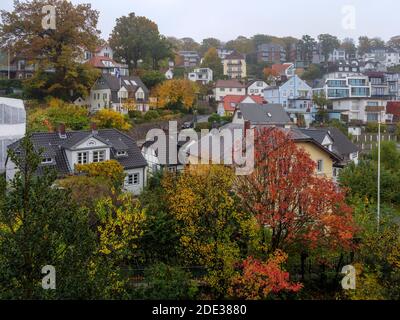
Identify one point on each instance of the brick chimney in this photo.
(247, 126)
(61, 131)
(93, 126)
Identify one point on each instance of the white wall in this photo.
(138, 188)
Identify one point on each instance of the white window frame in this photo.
(99, 156)
(83, 157)
(133, 179)
(320, 166)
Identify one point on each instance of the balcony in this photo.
(374, 108)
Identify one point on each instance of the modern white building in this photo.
(361, 109)
(12, 125)
(202, 75)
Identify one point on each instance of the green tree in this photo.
(312, 73)
(136, 38)
(58, 50)
(328, 44)
(151, 78)
(40, 225)
(306, 47)
(348, 45)
(209, 43)
(212, 60)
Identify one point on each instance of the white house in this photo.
(112, 92)
(202, 75)
(157, 155)
(337, 55)
(257, 88)
(12, 125)
(228, 87)
(365, 109)
(63, 150)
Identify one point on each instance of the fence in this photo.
(368, 141)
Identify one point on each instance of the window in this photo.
(320, 166)
(133, 179)
(104, 96)
(47, 160)
(99, 156)
(82, 157)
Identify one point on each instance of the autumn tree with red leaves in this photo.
(261, 279)
(290, 200)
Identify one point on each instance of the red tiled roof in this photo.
(230, 101)
(97, 61)
(393, 107)
(280, 68)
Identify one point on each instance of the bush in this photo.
(203, 125)
(57, 112)
(168, 283)
(108, 119)
(151, 115)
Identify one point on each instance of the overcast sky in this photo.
(227, 19)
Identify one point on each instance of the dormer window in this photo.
(122, 153)
(47, 160)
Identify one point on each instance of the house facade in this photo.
(201, 75)
(108, 66)
(12, 125)
(295, 95)
(112, 92)
(62, 151)
(256, 88)
(228, 87)
(190, 58)
(271, 53)
(235, 66)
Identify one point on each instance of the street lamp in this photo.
(379, 172)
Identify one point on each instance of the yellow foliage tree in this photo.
(208, 222)
(108, 119)
(177, 91)
(111, 170)
(121, 224)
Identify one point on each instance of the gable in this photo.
(90, 143)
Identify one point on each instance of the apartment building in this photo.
(235, 66)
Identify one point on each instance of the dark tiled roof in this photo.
(53, 146)
(108, 81)
(273, 114)
(235, 56)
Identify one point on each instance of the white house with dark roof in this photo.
(63, 150)
(228, 87)
(12, 125)
(112, 92)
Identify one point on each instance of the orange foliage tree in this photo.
(290, 200)
(177, 91)
(261, 279)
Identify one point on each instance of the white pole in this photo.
(120, 98)
(379, 171)
(8, 61)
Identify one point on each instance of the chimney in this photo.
(93, 126)
(247, 126)
(61, 131)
